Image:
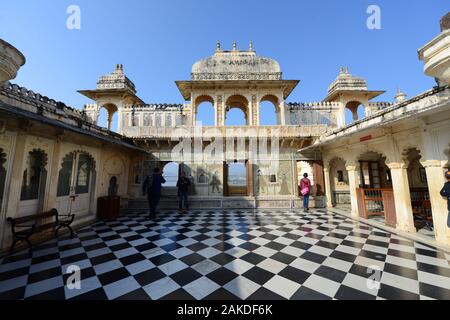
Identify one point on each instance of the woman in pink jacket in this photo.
(305, 190)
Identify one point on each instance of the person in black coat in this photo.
(445, 192)
(183, 184)
(152, 187)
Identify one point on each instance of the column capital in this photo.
(351, 167)
(397, 165)
(431, 164)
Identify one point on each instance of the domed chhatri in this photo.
(11, 60)
(236, 65)
(435, 54)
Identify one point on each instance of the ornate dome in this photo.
(236, 65)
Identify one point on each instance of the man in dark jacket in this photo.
(152, 187)
(445, 192)
(183, 184)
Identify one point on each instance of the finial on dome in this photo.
(234, 45)
(251, 45)
(346, 70)
(341, 70)
(400, 96)
(218, 45)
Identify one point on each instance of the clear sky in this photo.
(158, 41)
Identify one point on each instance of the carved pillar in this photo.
(317, 167)
(13, 194)
(219, 111)
(328, 192)
(436, 180)
(402, 196)
(250, 188)
(353, 184)
(119, 119)
(54, 174)
(254, 111)
(282, 114)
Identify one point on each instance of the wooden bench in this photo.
(23, 228)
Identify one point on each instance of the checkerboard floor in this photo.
(229, 254)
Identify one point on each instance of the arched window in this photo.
(340, 176)
(205, 114)
(170, 173)
(83, 174)
(65, 176)
(237, 111)
(102, 118)
(108, 117)
(354, 111)
(235, 117)
(81, 182)
(34, 176)
(268, 111)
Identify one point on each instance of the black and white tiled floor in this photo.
(232, 254)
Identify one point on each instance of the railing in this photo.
(421, 206)
(286, 131)
(377, 202)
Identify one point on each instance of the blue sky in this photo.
(158, 41)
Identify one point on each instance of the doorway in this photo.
(34, 179)
(76, 182)
(235, 176)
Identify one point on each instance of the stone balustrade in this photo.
(226, 131)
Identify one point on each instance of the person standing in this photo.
(305, 190)
(152, 186)
(183, 184)
(445, 192)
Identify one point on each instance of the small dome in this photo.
(346, 81)
(116, 80)
(236, 65)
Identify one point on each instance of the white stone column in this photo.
(13, 195)
(54, 175)
(119, 120)
(436, 180)
(402, 196)
(353, 183)
(282, 114)
(328, 192)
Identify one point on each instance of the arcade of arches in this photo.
(387, 168)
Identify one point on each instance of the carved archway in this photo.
(357, 110)
(111, 110)
(240, 102)
(272, 99)
(200, 101)
(339, 182)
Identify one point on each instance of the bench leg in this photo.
(57, 230)
(11, 249)
(30, 246)
(71, 232)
